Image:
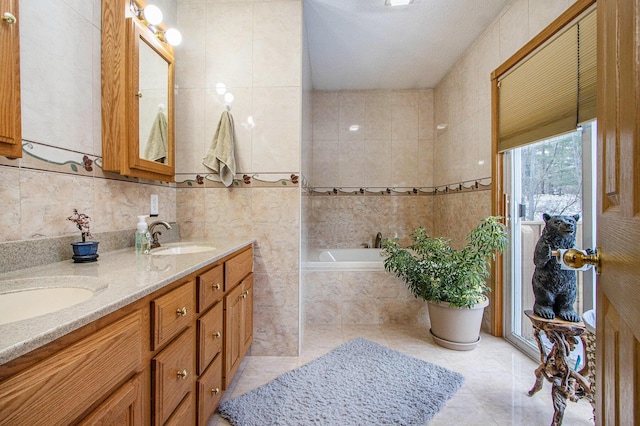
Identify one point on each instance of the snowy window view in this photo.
(552, 177)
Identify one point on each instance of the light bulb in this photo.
(152, 14)
(173, 36)
(228, 97)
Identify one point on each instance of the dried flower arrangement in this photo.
(82, 223)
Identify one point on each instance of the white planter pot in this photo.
(456, 328)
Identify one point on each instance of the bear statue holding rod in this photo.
(555, 288)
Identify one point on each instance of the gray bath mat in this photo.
(358, 383)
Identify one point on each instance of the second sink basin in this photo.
(29, 303)
(182, 248)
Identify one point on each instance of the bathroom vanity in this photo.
(158, 345)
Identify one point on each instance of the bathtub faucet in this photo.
(378, 243)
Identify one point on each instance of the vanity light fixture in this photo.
(152, 14)
(397, 2)
(173, 36)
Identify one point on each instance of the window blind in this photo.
(552, 91)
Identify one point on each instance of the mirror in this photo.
(153, 101)
(137, 95)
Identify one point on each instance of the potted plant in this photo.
(83, 251)
(453, 282)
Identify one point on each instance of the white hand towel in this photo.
(221, 158)
(158, 141)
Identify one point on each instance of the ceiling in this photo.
(363, 44)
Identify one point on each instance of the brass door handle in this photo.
(181, 312)
(577, 259)
(9, 17)
(182, 374)
(215, 391)
(216, 286)
(217, 335)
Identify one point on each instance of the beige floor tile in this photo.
(497, 375)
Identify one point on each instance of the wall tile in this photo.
(190, 130)
(543, 12)
(326, 116)
(47, 215)
(10, 215)
(276, 136)
(277, 47)
(229, 44)
(190, 63)
(514, 33)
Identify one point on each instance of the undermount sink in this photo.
(182, 248)
(29, 303)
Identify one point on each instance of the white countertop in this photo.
(118, 278)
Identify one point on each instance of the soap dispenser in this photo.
(143, 238)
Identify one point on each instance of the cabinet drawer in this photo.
(171, 313)
(65, 385)
(209, 336)
(123, 407)
(210, 287)
(184, 414)
(172, 371)
(209, 391)
(237, 268)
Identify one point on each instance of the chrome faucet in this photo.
(154, 234)
(378, 243)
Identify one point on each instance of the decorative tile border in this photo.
(37, 156)
(482, 184)
(258, 180)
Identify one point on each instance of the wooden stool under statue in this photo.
(566, 383)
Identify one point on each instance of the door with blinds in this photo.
(544, 128)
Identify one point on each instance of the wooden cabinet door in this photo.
(173, 372)
(209, 391)
(618, 298)
(210, 336)
(185, 414)
(64, 386)
(232, 337)
(10, 123)
(246, 317)
(122, 408)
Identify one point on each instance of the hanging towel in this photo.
(157, 143)
(220, 158)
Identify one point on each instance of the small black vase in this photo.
(85, 251)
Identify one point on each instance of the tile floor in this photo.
(497, 375)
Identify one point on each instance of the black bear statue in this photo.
(555, 288)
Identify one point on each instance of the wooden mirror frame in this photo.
(121, 35)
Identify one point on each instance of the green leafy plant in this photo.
(435, 272)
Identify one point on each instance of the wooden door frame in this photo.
(498, 204)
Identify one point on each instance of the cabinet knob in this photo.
(139, 95)
(245, 293)
(10, 18)
(216, 286)
(215, 391)
(182, 312)
(182, 374)
(217, 335)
